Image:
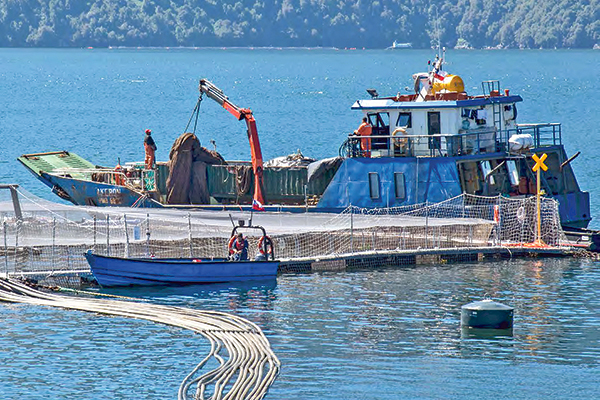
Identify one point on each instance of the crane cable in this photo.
(196, 112)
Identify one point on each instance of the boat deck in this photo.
(55, 161)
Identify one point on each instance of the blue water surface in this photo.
(377, 334)
(98, 102)
(374, 334)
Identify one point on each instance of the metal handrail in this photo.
(543, 134)
(474, 141)
(127, 181)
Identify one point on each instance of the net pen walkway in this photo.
(49, 239)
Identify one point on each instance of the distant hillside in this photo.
(302, 23)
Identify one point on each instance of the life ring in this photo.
(496, 214)
(399, 136)
(521, 214)
(268, 245)
(230, 245)
(119, 178)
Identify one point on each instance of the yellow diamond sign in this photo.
(539, 162)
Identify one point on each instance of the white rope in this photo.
(246, 372)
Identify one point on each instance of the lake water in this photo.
(384, 334)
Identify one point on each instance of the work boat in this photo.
(397, 45)
(441, 142)
(427, 146)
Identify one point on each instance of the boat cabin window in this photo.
(379, 120)
(399, 185)
(404, 119)
(381, 127)
(374, 185)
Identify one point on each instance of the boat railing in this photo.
(100, 175)
(548, 134)
(466, 142)
(439, 145)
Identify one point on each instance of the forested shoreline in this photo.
(300, 23)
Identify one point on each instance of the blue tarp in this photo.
(425, 179)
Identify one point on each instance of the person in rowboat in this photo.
(238, 248)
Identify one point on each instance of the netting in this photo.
(515, 219)
(49, 239)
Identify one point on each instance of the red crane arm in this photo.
(206, 87)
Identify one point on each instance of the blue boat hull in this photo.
(116, 271)
(82, 192)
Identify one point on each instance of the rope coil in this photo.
(247, 370)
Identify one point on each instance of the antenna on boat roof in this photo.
(441, 51)
(438, 32)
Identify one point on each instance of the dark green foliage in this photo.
(326, 23)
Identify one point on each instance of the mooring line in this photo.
(246, 370)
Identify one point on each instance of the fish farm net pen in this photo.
(246, 364)
(49, 239)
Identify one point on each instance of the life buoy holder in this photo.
(268, 244)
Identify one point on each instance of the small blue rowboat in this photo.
(116, 271)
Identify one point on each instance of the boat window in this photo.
(381, 127)
(379, 120)
(399, 185)
(374, 185)
(486, 168)
(513, 174)
(404, 119)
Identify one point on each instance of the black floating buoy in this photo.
(486, 314)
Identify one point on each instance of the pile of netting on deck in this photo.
(243, 364)
(50, 239)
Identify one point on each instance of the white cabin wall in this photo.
(489, 120)
(419, 127)
(450, 121)
(419, 122)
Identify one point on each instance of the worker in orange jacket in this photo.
(365, 129)
(150, 148)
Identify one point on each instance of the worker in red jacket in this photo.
(150, 148)
(238, 248)
(365, 130)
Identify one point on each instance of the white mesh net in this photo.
(49, 239)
